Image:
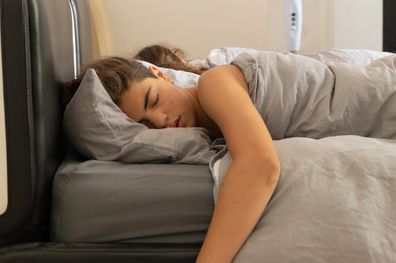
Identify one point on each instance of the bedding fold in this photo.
(335, 202)
(298, 96)
(334, 129)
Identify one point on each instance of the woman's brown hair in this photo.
(116, 75)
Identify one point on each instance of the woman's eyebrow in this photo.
(146, 96)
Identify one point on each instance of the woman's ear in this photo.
(157, 72)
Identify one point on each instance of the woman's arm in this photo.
(254, 172)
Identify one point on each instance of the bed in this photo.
(153, 202)
(321, 210)
(108, 201)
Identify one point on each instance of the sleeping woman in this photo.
(258, 98)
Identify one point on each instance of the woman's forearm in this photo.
(246, 191)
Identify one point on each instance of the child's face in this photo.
(157, 103)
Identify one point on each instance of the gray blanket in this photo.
(336, 198)
(298, 96)
(335, 202)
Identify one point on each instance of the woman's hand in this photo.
(254, 172)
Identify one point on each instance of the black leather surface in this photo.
(18, 105)
(85, 32)
(51, 64)
(37, 49)
(389, 22)
(96, 253)
(37, 54)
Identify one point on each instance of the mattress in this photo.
(104, 201)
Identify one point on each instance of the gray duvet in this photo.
(298, 96)
(335, 202)
(336, 198)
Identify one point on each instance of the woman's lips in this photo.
(180, 123)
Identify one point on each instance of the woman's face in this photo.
(158, 104)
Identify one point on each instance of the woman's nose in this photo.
(158, 119)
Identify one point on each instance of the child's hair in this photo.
(116, 75)
(167, 57)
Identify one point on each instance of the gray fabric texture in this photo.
(335, 202)
(298, 96)
(106, 201)
(225, 55)
(349, 56)
(98, 129)
(336, 196)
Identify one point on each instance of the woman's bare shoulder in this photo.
(223, 96)
(223, 72)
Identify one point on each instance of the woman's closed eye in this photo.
(155, 101)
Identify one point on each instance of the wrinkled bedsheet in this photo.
(335, 202)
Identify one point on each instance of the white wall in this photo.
(199, 26)
(196, 26)
(358, 24)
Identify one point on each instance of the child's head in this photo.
(161, 56)
(116, 75)
(166, 57)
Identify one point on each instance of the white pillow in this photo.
(180, 78)
(221, 56)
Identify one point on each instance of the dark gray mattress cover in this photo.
(103, 201)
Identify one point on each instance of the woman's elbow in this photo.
(272, 171)
(264, 169)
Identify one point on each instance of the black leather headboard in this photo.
(389, 22)
(39, 52)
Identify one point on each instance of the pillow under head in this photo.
(98, 129)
